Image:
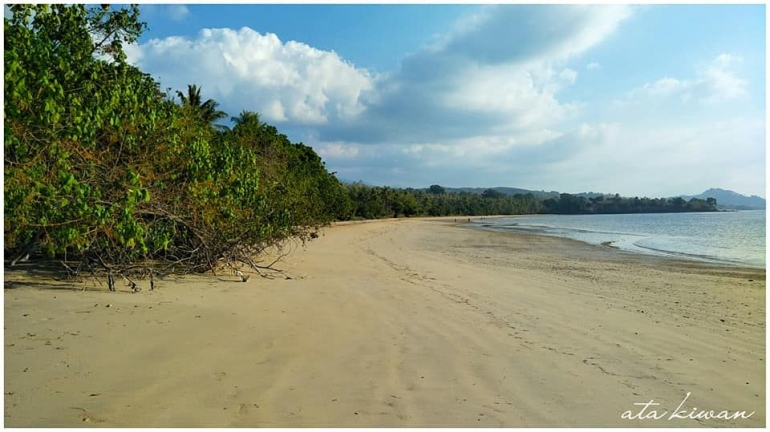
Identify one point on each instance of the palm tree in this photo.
(246, 118)
(206, 111)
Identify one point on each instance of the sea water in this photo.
(723, 237)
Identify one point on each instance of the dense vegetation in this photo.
(571, 204)
(372, 202)
(102, 168)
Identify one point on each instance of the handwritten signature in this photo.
(646, 413)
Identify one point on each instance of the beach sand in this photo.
(395, 323)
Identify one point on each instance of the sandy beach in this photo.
(396, 323)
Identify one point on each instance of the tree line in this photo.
(573, 204)
(372, 202)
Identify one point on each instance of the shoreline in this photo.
(664, 258)
(394, 323)
(672, 255)
(614, 254)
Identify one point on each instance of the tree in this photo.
(246, 119)
(677, 203)
(436, 190)
(75, 126)
(493, 194)
(206, 111)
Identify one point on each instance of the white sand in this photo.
(395, 323)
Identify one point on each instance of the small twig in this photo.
(134, 287)
(72, 273)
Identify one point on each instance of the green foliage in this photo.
(436, 190)
(378, 202)
(206, 112)
(99, 162)
(572, 204)
(491, 193)
(72, 122)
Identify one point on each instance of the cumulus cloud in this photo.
(716, 81)
(243, 69)
(497, 72)
(511, 92)
(593, 66)
(485, 94)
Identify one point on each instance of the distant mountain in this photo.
(727, 199)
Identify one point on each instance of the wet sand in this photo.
(395, 323)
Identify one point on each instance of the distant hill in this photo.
(727, 199)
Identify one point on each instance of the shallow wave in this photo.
(555, 229)
(694, 245)
(699, 257)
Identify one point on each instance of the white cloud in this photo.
(721, 81)
(526, 32)
(498, 71)
(724, 60)
(481, 103)
(593, 66)
(247, 70)
(666, 87)
(338, 151)
(716, 81)
(568, 76)
(178, 12)
(620, 158)
(510, 90)
(664, 161)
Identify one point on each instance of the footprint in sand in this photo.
(86, 417)
(244, 409)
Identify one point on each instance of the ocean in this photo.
(736, 238)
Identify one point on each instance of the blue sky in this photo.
(651, 100)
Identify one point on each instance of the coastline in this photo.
(402, 322)
(627, 241)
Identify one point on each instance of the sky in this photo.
(646, 100)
